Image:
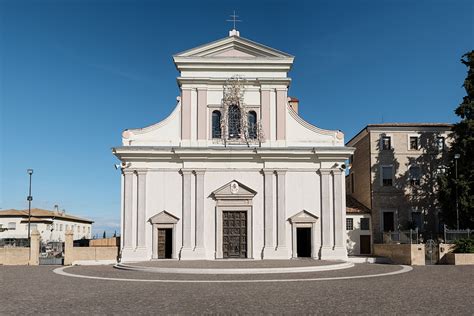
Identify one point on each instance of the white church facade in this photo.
(234, 171)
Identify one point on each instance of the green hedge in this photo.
(464, 246)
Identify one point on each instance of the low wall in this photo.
(459, 259)
(105, 242)
(14, 256)
(411, 254)
(443, 250)
(74, 254)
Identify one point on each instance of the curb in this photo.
(330, 267)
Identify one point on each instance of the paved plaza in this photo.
(364, 289)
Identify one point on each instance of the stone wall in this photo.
(460, 258)
(402, 253)
(105, 242)
(90, 254)
(22, 255)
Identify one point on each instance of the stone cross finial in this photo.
(234, 32)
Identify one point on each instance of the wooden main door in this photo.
(165, 243)
(365, 245)
(234, 244)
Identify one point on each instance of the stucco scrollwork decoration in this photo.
(236, 125)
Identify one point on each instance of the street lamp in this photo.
(29, 199)
(456, 157)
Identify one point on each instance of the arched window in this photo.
(216, 124)
(234, 121)
(252, 124)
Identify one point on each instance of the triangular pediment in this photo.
(303, 217)
(233, 46)
(233, 190)
(164, 218)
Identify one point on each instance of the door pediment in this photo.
(233, 190)
(303, 217)
(163, 218)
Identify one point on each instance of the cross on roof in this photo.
(234, 19)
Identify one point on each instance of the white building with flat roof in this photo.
(52, 225)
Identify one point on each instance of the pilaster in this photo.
(127, 209)
(282, 250)
(265, 112)
(269, 247)
(200, 252)
(185, 114)
(141, 209)
(281, 100)
(186, 250)
(201, 113)
(327, 229)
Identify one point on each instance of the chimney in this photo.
(293, 102)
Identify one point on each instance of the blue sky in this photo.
(74, 74)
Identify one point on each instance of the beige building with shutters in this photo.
(393, 173)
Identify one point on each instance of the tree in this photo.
(462, 145)
(104, 235)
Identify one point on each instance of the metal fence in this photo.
(14, 242)
(401, 237)
(450, 235)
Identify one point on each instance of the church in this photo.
(233, 172)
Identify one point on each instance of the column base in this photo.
(282, 253)
(279, 253)
(186, 254)
(336, 253)
(138, 254)
(199, 254)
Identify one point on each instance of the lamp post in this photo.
(456, 157)
(29, 199)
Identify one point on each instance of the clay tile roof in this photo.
(293, 99)
(40, 213)
(355, 207)
(410, 125)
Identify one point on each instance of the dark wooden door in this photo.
(388, 222)
(234, 244)
(165, 243)
(365, 245)
(303, 241)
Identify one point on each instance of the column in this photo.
(281, 100)
(326, 220)
(268, 190)
(201, 114)
(199, 250)
(281, 214)
(265, 112)
(338, 211)
(185, 114)
(127, 208)
(187, 241)
(141, 208)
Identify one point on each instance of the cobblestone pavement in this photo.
(425, 290)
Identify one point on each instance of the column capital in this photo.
(186, 171)
(128, 171)
(281, 171)
(141, 171)
(268, 171)
(201, 88)
(199, 172)
(336, 171)
(324, 171)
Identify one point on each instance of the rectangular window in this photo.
(417, 219)
(387, 180)
(33, 226)
(61, 227)
(365, 223)
(415, 175)
(11, 226)
(413, 142)
(386, 143)
(388, 222)
(349, 223)
(352, 183)
(440, 143)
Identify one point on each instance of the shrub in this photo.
(464, 246)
